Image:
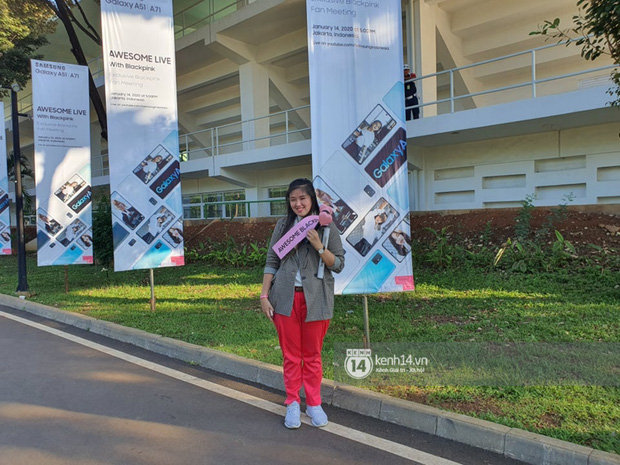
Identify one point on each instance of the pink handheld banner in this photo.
(295, 235)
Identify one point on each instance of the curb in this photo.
(514, 443)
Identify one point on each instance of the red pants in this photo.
(301, 344)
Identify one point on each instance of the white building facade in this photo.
(504, 114)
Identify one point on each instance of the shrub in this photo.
(103, 243)
(229, 253)
(524, 218)
(556, 216)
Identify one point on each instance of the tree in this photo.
(21, 19)
(22, 31)
(24, 24)
(64, 10)
(103, 243)
(596, 31)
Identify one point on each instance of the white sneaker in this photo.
(317, 415)
(293, 412)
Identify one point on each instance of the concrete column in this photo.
(410, 31)
(425, 46)
(251, 194)
(254, 87)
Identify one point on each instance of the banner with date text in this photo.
(61, 116)
(359, 155)
(143, 140)
(5, 215)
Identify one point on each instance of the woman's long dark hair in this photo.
(307, 186)
(401, 249)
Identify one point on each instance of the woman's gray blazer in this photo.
(319, 293)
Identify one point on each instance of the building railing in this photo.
(532, 84)
(99, 165)
(290, 125)
(277, 129)
(201, 13)
(217, 140)
(230, 209)
(96, 67)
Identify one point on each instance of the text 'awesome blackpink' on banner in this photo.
(359, 155)
(61, 114)
(143, 138)
(5, 216)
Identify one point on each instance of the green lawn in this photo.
(219, 308)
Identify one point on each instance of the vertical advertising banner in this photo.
(359, 155)
(5, 215)
(61, 114)
(143, 138)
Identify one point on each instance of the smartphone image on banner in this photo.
(71, 232)
(375, 224)
(47, 223)
(152, 164)
(361, 143)
(124, 211)
(4, 201)
(118, 234)
(372, 275)
(398, 242)
(343, 215)
(174, 235)
(68, 190)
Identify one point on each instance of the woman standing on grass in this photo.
(300, 304)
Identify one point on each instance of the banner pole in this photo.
(152, 280)
(66, 279)
(22, 278)
(366, 324)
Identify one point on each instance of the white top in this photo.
(370, 232)
(366, 138)
(149, 167)
(69, 234)
(154, 226)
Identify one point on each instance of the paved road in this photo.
(71, 397)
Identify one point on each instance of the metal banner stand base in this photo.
(366, 325)
(152, 280)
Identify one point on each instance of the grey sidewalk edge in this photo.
(528, 447)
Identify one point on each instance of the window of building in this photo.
(277, 206)
(214, 205)
(233, 210)
(212, 209)
(192, 206)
